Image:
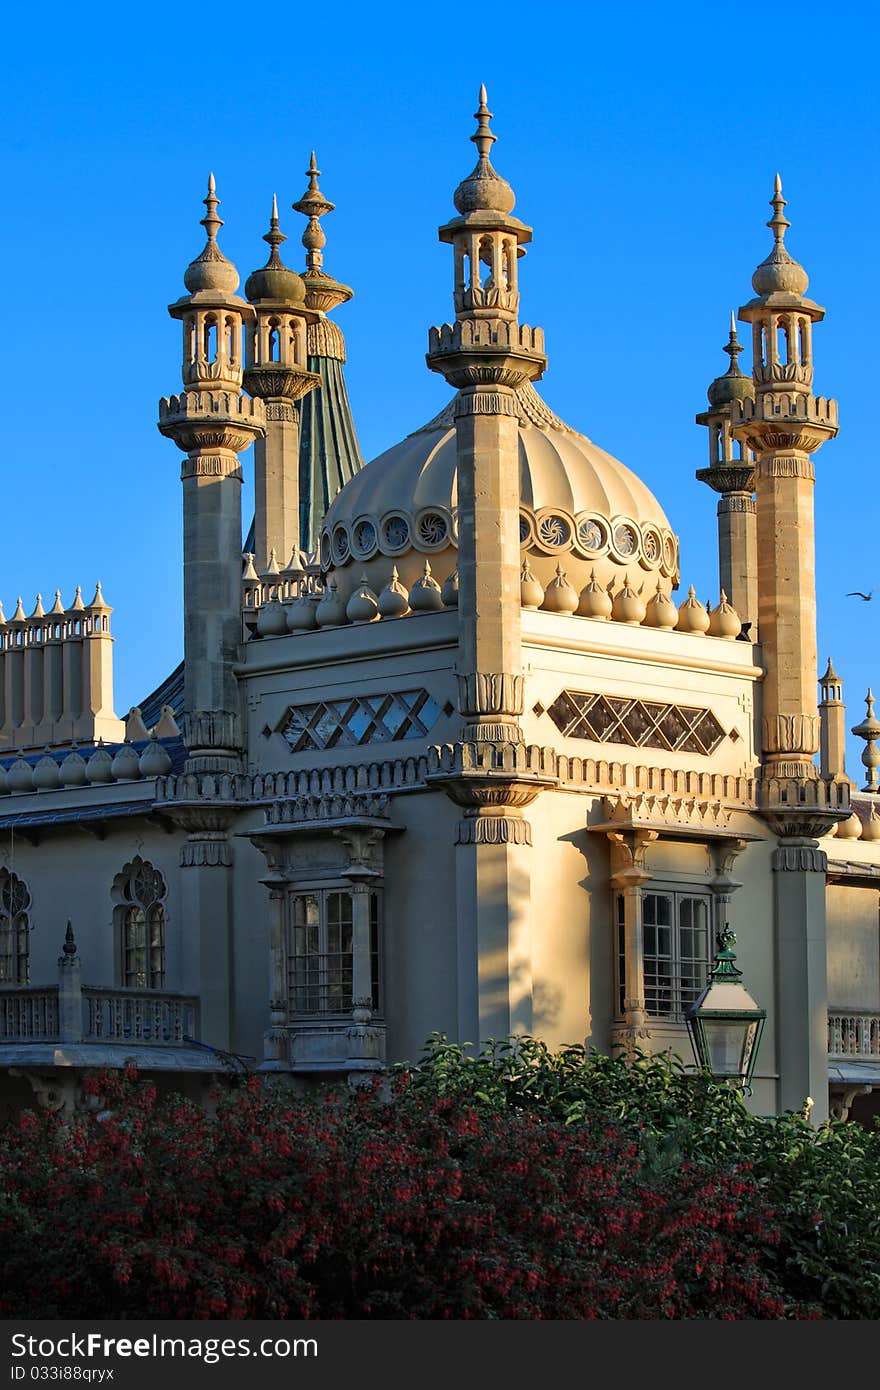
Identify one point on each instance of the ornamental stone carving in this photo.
(792, 733)
(494, 830)
(211, 466)
(490, 692)
(785, 467)
(486, 403)
(799, 858)
(206, 850)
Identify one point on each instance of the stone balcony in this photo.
(129, 1017)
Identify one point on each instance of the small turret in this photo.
(276, 371)
(731, 473)
(212, 422)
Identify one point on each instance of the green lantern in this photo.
(725, 1023)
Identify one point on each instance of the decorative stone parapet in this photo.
(482, 352)
(783, 420)
(205, 420)
(799, 807)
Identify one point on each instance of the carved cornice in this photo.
(680, 817)
(277, 379)
(728, 477)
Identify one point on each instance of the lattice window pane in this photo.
(363, 719)
(636, 723)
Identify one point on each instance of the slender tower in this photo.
(486, 354)
(276, 371)
(784, 425)
(212, 421)
(329, 450)
(731, 472)
(832, 726)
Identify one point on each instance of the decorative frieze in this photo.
(793, 467)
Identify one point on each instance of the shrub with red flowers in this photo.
(480, 1188)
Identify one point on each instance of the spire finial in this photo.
(211, 222)
(275, 237)
(733, 347)
(69, 941)
(483, 137)
(313, 205)
(778, 223)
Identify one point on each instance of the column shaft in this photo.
(787, 611)
(276, 486)
(738, 554)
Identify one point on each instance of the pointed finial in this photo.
(313, 205)
(733, 346)
(483, 137)
(275, 237)
(39, 610)
(69, 941)
(778, 223)
(211, 222)
(58, 606)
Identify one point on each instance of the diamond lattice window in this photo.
(638, 723)
(360, 719)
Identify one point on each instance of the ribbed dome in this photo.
(579, 504)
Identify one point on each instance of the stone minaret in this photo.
(275, 370)
(784, 425)
(731, 472)
(486, 354)
(329, 449)
(832, 726)
(212, 422)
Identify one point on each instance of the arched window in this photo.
(15, 901)
(139, 920)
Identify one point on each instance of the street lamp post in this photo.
(725, 1023)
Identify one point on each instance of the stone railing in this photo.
(854, 1033)
(151, 1018)
(28, 1013)
(146, 1018)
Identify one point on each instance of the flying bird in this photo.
(857, 593)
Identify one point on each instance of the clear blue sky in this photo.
(641, 141)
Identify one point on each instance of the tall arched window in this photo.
(15, 901)
(139, 919)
